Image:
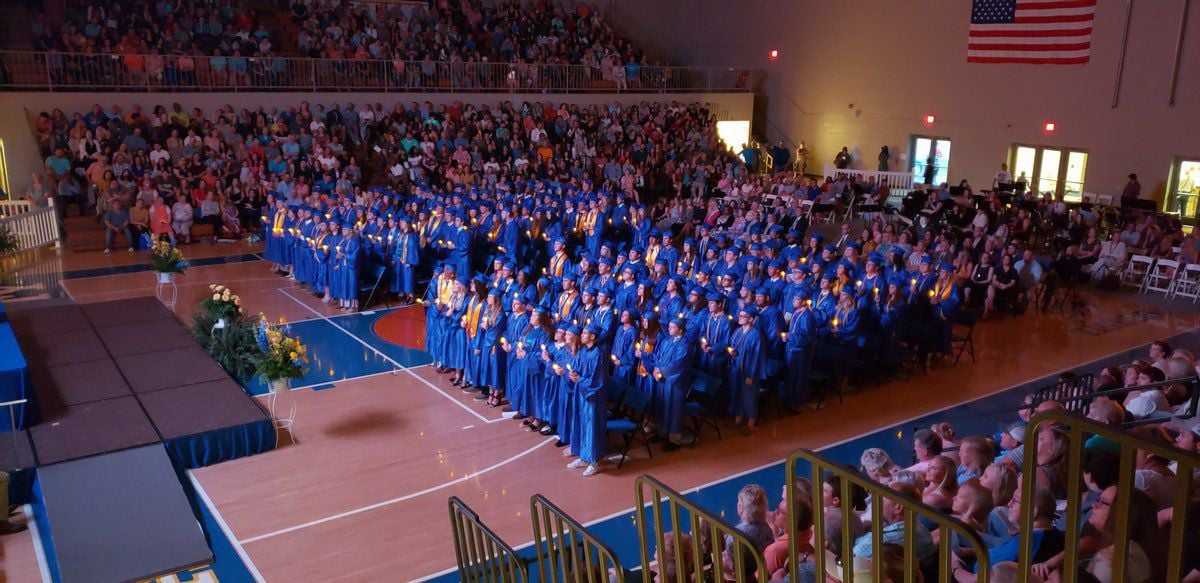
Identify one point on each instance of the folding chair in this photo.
(826, 369)
(1136, 270)
(630, 428)
(371, 284)
(1161, 277)
(1187, 284)
(768, 394)
(701, 405)
(964, 341)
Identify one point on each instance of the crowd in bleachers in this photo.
(977, 479)
(462, 31)
(212, 42)
(447, 44)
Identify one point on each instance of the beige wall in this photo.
(898, 61)
(23, 156)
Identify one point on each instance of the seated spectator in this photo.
(894, 531)
(182, 217)
(926, 446)
(116, 220)
(139, 219)
(752, 515)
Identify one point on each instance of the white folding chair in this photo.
(1136, 270)
(1161, 277)
(1187, 284)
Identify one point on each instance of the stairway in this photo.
(85, 234)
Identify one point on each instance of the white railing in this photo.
(33, 227)
(895, 180)
(23, 70)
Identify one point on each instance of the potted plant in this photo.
(166, 260)
(223, 309)
(282, 357)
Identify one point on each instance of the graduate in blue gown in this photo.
(548, 400)
(589, 369)
(287, 242)
(433, 336)
(489, 357)
(343, 275)
(405, 256)
(566, 403)
(454, 330)
(525, 378)
(714, 337)
(645, 350)
(318, 279)
(472, 316)
(801, 342)
(944, 298)
(458, 241)
(624, 339)
(747, 369)
(673, 373)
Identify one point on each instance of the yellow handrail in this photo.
(1077, 429)
(482, 556)
(566, 551)
(913, 509)
(742, 548)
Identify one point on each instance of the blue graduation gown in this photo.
(322, 246)
(674, 358)
(343, 275)
(592, 405)
(622, 349)
(565, 404)
(747, 369)
(285, 246)
(522, 383)
(770, 323)
(455, 336)
(801, 343)
(433, 327)
(405, 254)
(714, 343)
(491, 359)
(460, 255)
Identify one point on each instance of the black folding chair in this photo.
(371, 284)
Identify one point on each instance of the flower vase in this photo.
(279, 385)
(165, 277)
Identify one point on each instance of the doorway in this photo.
(930, 159)
(1059, 171)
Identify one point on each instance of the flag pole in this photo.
(1179, 52)
(1121, 58)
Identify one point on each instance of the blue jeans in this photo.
(109, 234)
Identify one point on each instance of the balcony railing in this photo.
(35, 71)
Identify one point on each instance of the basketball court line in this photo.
(216, 514)
(781, 462)
(395, 363)
(398, 499)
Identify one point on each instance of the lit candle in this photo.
(543, 347)
(783, 335)
(613, 357)
(931, 293)
(730, 349)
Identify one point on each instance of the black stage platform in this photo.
(115, 375)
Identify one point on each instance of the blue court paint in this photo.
(332, 356)
(323, 387)
(363, 326)
(140, 267)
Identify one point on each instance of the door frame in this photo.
(912, 149)
(1173, 178)
(1061, 179)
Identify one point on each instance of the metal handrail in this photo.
(566, 551)
(913, 509)
(53, 71)
(1077, 429)
(481, 554)
(719, 529)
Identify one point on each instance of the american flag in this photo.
(1037, 32)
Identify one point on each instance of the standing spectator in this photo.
(843, 159)
(1133, 189)
(884, 157)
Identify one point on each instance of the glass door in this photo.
(1073, 180)
(930, 160)
(1058, 171)
(1047, 177)
(1184, 194)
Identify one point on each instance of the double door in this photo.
(1047, 169)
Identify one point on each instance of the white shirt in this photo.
(1002, 177)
